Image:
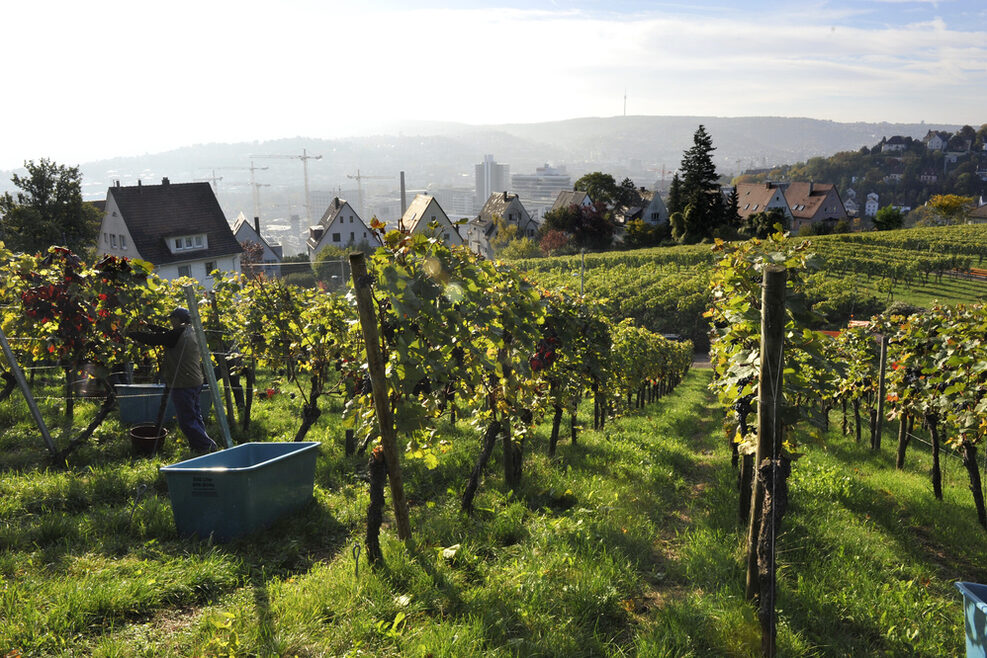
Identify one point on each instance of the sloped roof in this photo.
(568, 198)
(979, 213)
(242, 223)
(755, 197)
(496, 205)
(336, 206)
(805, 200)
(416, 211)
(154, 213)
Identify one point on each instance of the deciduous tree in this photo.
(48, 210)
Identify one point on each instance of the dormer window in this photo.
(188, 243)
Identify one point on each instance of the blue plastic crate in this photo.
(975, 614)
(139, 403)
(234, 492)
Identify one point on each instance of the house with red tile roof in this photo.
(760, 197)
(814, 203)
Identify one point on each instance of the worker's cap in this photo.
(182, 315)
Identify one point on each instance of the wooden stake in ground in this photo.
(769, 434)
(207, 369)
(32, 405)
(378, 380)
(881, 391)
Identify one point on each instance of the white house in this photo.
(271, 255)
(507, 208)
(871, 206)
(894, 145)
(648, 207)
(936, 140)
(341, 227)
(425, 215)
(178, 228)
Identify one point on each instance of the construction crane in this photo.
(304, 157)
(254, 185)
(214, 179)
(359, 189)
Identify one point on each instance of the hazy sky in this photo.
(95, 79)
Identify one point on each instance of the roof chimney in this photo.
(505, 195)
(138, 185)
(257, 226)
(404, 198)
(116, 183)
(165, 181)
(337, 202)
(810, 187)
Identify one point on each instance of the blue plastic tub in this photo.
(234, 492)
(975, 614)
(139, 403)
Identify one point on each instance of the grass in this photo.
(949, 290)
(625, 544)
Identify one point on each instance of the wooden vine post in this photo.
(207, 369)
(26, 390)
(224, 367)
(769, 440)
(882, 391)
(378, 381)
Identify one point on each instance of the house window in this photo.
(113, 240)
(445, 236)
(198, 241)
(210, 266)
(188, 243)
(184, 270)
(336, 237)
(123, 242)
(178, 243)
(352, 236)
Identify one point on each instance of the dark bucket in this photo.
(144, 441)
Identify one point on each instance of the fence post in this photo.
(207, 369)
(378, 380)
(19, 376)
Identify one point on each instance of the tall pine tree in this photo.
(700, 189)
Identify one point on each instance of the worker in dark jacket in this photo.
(182, 372)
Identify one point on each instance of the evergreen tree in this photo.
(700, 188)
(675, 200)
(732, 211)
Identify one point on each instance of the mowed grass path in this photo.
(625, 544)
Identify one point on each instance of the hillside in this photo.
(905, 177)
(444, 154)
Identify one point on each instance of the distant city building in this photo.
(538, 191)
(491, 177)
(458, 202)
